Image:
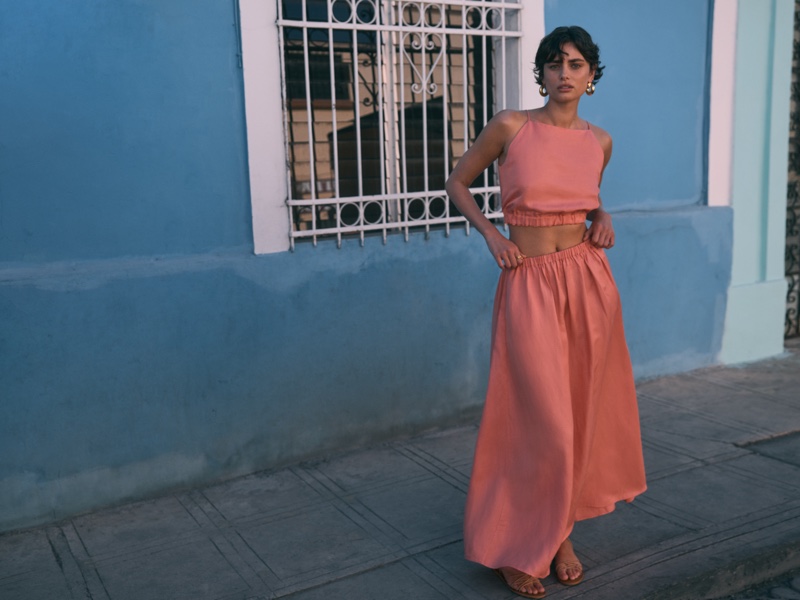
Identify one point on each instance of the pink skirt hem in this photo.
(559, 440)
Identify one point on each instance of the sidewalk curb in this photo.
(751, 550)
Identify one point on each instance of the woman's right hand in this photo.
(505, 252)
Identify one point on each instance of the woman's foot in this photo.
(521, 583)
(569, 570)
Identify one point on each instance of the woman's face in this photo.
(568, 75)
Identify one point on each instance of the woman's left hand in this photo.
(601, 231)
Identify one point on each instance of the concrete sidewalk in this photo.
(722, 448)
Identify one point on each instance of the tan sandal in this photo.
(518, 582)
(567, 565)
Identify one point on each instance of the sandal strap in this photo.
(567, 564)
(521, 580)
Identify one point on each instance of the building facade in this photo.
(225, 247)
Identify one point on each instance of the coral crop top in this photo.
(550, 176)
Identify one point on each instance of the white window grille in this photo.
(381, 99)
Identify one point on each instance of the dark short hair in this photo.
(551, 44)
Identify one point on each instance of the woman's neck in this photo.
(565, 116)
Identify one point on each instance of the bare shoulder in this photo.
(604, 139)
(490, 145)
(498, 133)
(508, 121)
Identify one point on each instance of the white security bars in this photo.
(381, 98)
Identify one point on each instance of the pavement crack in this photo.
(68, 565)
(769, 438)
(56, 554)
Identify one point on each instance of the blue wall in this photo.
(127, 377)
(673, 271)
(122, 129)
(652, 98)
(221, 364)
(142, 345)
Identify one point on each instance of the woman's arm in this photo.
(489, 146)
(601, 231)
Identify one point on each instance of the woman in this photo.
(559, 439)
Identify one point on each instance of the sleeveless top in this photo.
(550, 176)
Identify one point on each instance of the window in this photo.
(380, 100)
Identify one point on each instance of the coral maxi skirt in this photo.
(559, 438)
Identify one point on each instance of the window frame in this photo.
(267, 158)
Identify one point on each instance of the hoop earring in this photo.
(590, 88)
(542, 90)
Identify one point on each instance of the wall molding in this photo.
(721, 106)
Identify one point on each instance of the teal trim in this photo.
(755, 315)
(775, 231)
(707, 104)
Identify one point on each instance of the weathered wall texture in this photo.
(142, 344)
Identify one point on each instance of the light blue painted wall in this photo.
(124, 378)
(143, 347)
(121, 128)
(652, 98)
(214, 365)
(673, 269)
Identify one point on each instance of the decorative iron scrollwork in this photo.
(381, 97)
(414, 44)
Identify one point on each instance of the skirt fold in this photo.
(559, 439)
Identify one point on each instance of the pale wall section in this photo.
(265, 136)
(723, 79)
(533, 29)
(756, 304)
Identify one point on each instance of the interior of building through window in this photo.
(377, 118)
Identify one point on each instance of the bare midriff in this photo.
(535, 241)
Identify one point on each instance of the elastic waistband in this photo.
(528, 218)
(569, 253)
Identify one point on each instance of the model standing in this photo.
(559, 439)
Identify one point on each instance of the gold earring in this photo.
(590, 88)
(542, 90)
